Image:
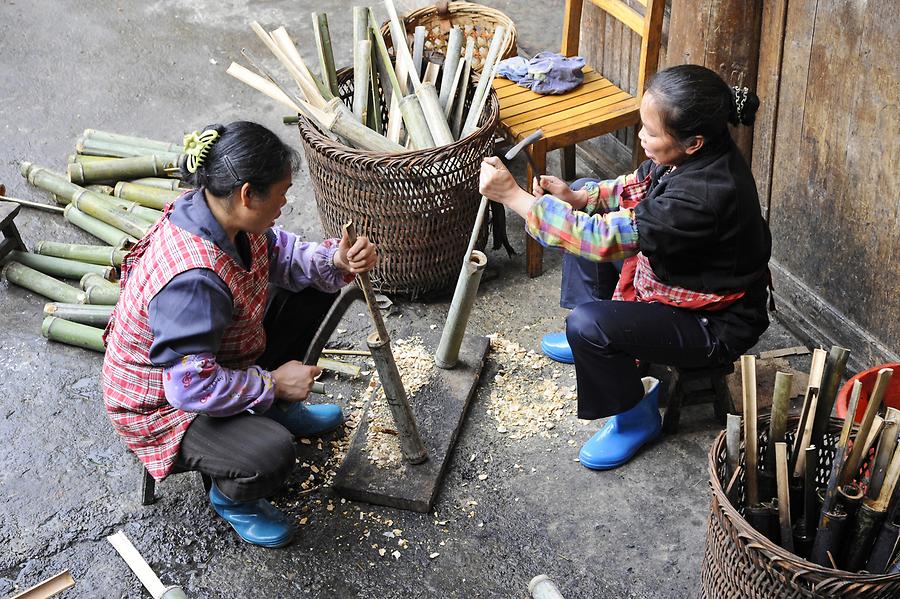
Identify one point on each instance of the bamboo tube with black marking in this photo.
(447, 354)
(98, 228)
(73, 333)
(871, 516)
(326, 54)
(862, 436)
(733, 442)
(38, 282)
(95, 316)
(784, 501)
(831, 380)
(777, 428)
(454, 45)
(62, 267)
(150, 197)
(122, 168)
(884, 452)
(93, 254)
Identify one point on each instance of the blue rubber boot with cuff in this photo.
(556, 347)
(307, 420)
(623, 434)
(257, 522)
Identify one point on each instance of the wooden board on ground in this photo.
(439, 409)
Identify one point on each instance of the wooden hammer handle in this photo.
(366, 285)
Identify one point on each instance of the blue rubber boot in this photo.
(307, 420)
(623, 434)
(257, 522)
(556, 347)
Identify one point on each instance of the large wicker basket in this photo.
(741, 562)
(418, 207)
(447, 14)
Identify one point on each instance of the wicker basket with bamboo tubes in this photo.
(419, 206)
(476, 20)
(740, 562)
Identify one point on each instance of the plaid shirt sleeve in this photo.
(601, 237)
(606, 193)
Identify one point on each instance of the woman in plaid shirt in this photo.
(688, 227)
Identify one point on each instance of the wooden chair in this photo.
(595, 108)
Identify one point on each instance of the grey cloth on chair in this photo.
(547, 73)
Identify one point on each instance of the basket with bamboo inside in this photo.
(395, 143)
(806, 505)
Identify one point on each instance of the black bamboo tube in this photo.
(73, 333)
(861, 537)
(764, 519)
(748, 374)
(810, 503)
(862, 436)
(885, 450)
(62, 267)
(802, 540)
(797, 500)
(42, 284)
(784, 499)
(831, 380)
(829, 537)
(95, 316)
(850, 496)
(886, 543)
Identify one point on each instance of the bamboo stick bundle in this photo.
(885, 450)
(326, 53)
(456, 126)
(856, 455)
(454, 45)
(418, 48)
(297, 69)
(73, 333)
(482, 91)
(98, 228)
(361, 71)
(42, 284)
(93, 254)
(95, 316)
(62, 267)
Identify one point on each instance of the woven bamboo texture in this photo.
(461, 14)
(741, 562)
(419, 207)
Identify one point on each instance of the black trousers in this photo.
(250, 456)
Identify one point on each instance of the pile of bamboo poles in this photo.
(115, 189)
(426, 102)
(853, 521)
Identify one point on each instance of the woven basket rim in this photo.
(776, 554)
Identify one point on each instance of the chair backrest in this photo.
(648, 26)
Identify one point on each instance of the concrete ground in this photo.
(508, 509)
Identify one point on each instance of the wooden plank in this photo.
(558, 102)
(622, 13)
(571, 27)
(570, 115)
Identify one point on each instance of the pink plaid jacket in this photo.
(132, 386)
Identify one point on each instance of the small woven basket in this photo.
(444, 15)
(740, 562)
(419, 207)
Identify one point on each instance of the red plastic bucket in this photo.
(867, 378)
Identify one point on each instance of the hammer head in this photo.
(514, 151)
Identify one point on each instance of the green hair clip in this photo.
(196, 148)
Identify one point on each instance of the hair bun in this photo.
(745, 103)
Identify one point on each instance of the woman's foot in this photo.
(257, 522)
(556, 347)
(623, 434)
(307, 420)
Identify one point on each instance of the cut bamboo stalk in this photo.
(173, 184)
(94, 254)
(748, 379)
(482, 91)
(397, 87)
(418, 48)
(95, 316)
(351, 370)
(141, 142)
(102, 296)
(45, 589)
(432, 70)
(810, 513)
(434, 114)
(804, 431)
(381, 60)
(778, 420)
(37, 205)
(447, 354)
(42, 284)
(837, 465)
(890, 482)
(448, 107)
(373, 115)
(454, 45)
(98, 228)
(361, 89)
(284, 41)
(817, 368)
(62, 267)
(307, 87)
(885, 450)
(71, 158)
(464, 89)
(150, 197)
(347, 352)
(874, 403)
(733, 442)
(326, 53)
(151, 165)
(360, 26)
(96, 206)
(346, 126)
(784, 499)
(831, 379)
(91, 279)
(120, 150)
(416, 124)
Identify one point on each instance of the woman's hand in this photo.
(497, 183)
(357, 259)
(560, 190)
(294, 380)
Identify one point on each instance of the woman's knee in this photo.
(588, 324)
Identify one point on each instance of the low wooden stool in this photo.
(11, 239)
(700, 385)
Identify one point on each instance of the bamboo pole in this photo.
(856, 455)
(94, 254)
(96, 147)
(86, 158)
(464, 90)
(161, 183)
(748, 378)
(418, 48)
(37, 205)
(892, 475)
(434, 114)
(347, 352)
(284, 41)
(784, 500)
(733, 442)
(482, 91)
(361, 72)
(346, 126)
(831, 379)
(62, 267)
(777, 422)
(326, 54)
(448, 107)
(803, 434)
(92, 279)
(416, 124)
(150, 197)
(885, 450)
(115, 170)
(373, 115)
(312, 94)
(133, 140)
(447, 354)
(96, 316)
(100, 292)
(454, 45)
(98, 228)
(42, 284)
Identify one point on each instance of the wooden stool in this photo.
(700, 385)
(11, 238)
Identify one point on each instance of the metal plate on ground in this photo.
(439, 409)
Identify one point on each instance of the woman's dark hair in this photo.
(694, 100)
(244, 153)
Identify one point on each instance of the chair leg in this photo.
(674, 397)
(567, 161)
(148, 487)
(534, 252)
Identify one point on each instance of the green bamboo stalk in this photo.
(96, 147)
(483, 90)
(434, 114)
(117, 170)
(131, 140)
(93, 254)
(416, 124)
(454, 45)
(346, 125)
(42, 284)
(326, 54)
(161, 183)
(99, 208)
(92, 279)
(62, 267)
(102, 296)
(373, 115)
(151, 197)
(96, 316)
(361, 71)
(98, 228)
(101, 189)
(73, 158)
(831, 379)
(73, 333)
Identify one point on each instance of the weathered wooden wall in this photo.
(835, 189)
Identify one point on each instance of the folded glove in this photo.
(546, 73)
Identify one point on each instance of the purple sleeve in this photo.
(295, 264)
(197, 383)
